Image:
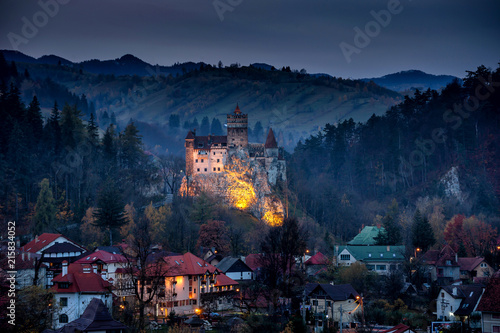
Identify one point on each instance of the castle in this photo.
(206, 155)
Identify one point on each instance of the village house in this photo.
(366, 236)
(441, 266)
(74, 289)
(96, 318)
(191, 283)
(489, 306)
(340, 302)
(316, 264)
(235, 269)
(52, 250)
(381, 259)
(456, 301)
(28, 269)
(472, 268)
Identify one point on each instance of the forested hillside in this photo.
(436, 151)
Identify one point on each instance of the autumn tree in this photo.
(91, 235)
(214, 234)
(474, 235)
(422, 233)
(158, 218)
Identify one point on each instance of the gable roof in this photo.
(339, 292)
(489, 301)
(81, 282)
(62, 248)
(186, 264)
(317, 259)
(469, 264)
(205, 142)
(103, 256)
(366, 236)
(271, 140)
(96, 317)
(469, 294)
(254, 261)
(224, 280)
(225, 264)
(376, 253)
(40, 242)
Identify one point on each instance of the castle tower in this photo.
(189, 144)
(271, 146)
(237, 129)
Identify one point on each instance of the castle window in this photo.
(214, 169)
(205, 169)
(196, 160)
(218, 169)
(201, 160)
(198, 169)
(214, 153)
(219, 160)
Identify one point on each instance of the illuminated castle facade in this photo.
(208, 154)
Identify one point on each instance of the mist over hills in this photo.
(411, 80)
(294, 103)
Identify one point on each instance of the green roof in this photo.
(376, 252)
(366, 236)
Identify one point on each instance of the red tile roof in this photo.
(253, 261)
(400, 328)
(469, 264)
(81, 282)
(489, 302)
(237, 110)
(103, 256)
(224, 280)
(40, 242)
(271, 140)
(186, 264)
(317, 259)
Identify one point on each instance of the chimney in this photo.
(64, 268)
(94, 268)
(36, 239)
(454, 291)
(456, 257)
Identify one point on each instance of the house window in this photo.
(63, 285)
(63, 319)
(345, 257)
(328, 303)
(483, 265)
(496, 329)
(380, 268)
(315, 303)
(370, 267)
(495, 316)
(63, 301)
(448, 262)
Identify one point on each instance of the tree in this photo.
(34, 119)
(216, 127)
(474, 235)
(91, 235)
(35, 305)
(205, 126)
(109, 213)
(45, 209)
(157, 218)
(131, 147)
(422, 233)
(93, 130)
(391, 234)
(214, 234)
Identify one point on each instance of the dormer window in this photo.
(448, 262)
(63, 285)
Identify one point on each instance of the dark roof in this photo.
(317, 259)
(489, 302)
(439, 257)
(103, 256)
(190, 135)
(469, 264)
(470, 295)
(63, 247)
(339, 292)
(271, 140)
(96, 317)
(194, 321)
(227, 263)
(205, 142)
(254, 261)
(110, 249)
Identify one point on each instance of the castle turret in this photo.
(271, 146)
(189, 144)
(237, 129)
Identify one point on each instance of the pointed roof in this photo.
(469, 264)
(40, 242)
(81, 282)
(489, 301)
(103, 256)
(340, 292)
(96, 317)
(190, 136)
(271, 140)
(366, 236)
(317, 259)
(237, 110)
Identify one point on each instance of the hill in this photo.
(295, 104)
(411, 80)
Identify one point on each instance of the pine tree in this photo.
(423, 235)
(45, 209)
(391, 234)
(216, 127)
(205, 126)
(34, 119)
(131, 147)
(110, 213)
(93, 130)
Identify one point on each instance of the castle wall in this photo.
(207, 161)
(237, 130)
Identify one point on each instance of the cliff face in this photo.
(244, 185)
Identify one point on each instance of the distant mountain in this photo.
(294, 104)
(126, 65)
(412, 79)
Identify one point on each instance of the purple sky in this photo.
(439, 37)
